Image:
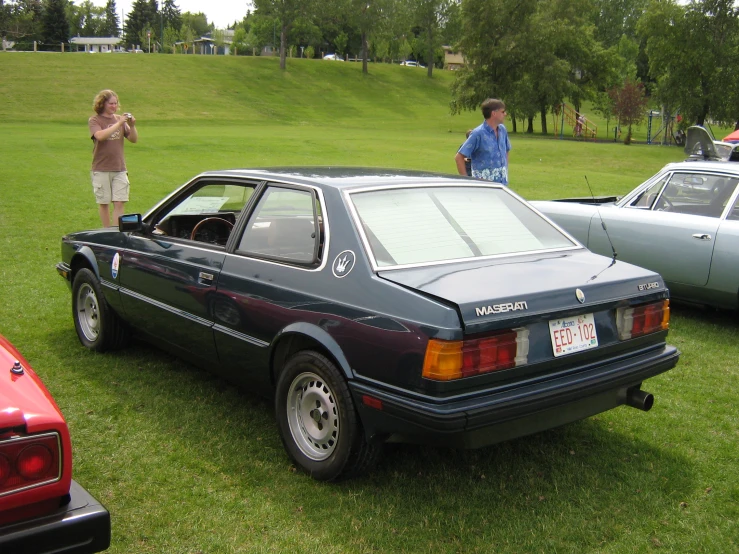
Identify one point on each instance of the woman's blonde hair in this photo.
(101, 98)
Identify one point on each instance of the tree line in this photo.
(535, 54)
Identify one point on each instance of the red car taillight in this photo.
(448, 360)
(29, 462)
(641, 320)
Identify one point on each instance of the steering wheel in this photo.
(218, 220)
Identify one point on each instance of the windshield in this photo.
(436, 224)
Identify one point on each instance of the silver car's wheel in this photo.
(88, 312)
(313, 416)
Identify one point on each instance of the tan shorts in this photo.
(110, 186)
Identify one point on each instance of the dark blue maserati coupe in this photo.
(375, 305)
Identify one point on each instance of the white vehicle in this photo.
(334, 57)
(411, 63)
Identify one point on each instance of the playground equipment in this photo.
(565, 116)
(667, 128)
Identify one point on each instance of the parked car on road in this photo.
(42, 509)
(682, 223)
(411, 63)
(333, 57)
(374, 305)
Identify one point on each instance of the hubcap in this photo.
(313, 416)
(88, 313)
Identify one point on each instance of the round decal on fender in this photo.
(343, 264)
(580, 295)
(115, 264)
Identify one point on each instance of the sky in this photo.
(219, 12)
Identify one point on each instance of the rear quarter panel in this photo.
(574, 218)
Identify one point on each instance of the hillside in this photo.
(225, 89)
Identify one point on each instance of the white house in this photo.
(97, 44)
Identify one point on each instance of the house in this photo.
(452, 60)
(98, 44)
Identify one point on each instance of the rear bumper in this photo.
(497, 415)
(80, 527)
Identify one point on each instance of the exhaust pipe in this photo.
(639, 399)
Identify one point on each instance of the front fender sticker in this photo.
(114, 265)
(343, 264)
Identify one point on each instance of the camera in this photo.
(128, 116)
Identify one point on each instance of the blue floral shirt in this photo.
(489, 154)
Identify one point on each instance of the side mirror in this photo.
(130, 222)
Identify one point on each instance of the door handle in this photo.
(702, 236)
(205, 278)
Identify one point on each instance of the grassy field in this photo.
(189, 464)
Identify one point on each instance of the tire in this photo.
(318, 422)
(98, 327)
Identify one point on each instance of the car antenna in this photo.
(602, 223)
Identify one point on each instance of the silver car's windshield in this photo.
(436, 224)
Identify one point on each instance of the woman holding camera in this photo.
(109, 174)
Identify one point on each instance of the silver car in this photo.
(682, 223)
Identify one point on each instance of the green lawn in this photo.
(189, 464)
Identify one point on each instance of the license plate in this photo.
(573, 334)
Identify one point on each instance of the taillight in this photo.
(448, 360)
(636, 321)
(28, 462)
(4, 470)
(34, 461)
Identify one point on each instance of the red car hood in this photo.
(24, 400)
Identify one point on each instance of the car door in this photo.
(263, 284)
(168, 276)
(670, 227)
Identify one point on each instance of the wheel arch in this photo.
(305, 336)
(83, 258)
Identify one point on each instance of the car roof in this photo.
(340, 177)
(701, 165)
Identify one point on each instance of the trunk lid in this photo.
(491, 291)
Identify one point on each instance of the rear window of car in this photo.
(422, 225)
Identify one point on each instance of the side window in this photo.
(646, 199)
(697, 194)
(734, 213)
(207, 214)
(284, 226)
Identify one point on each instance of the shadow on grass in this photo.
(198, 428)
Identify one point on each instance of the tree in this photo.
(86, 20)
(111, 26)
(171, 15)
(428, 15)
(141, 18)
(286, 13)
(170, 38)
(491, 42)
(692, 50)
(55, 24)
(340, 42)
(603, 106)
(366, 16)
(198, 22)
(21, 22)
(616, 18)
(238, 42)
(629, 104)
